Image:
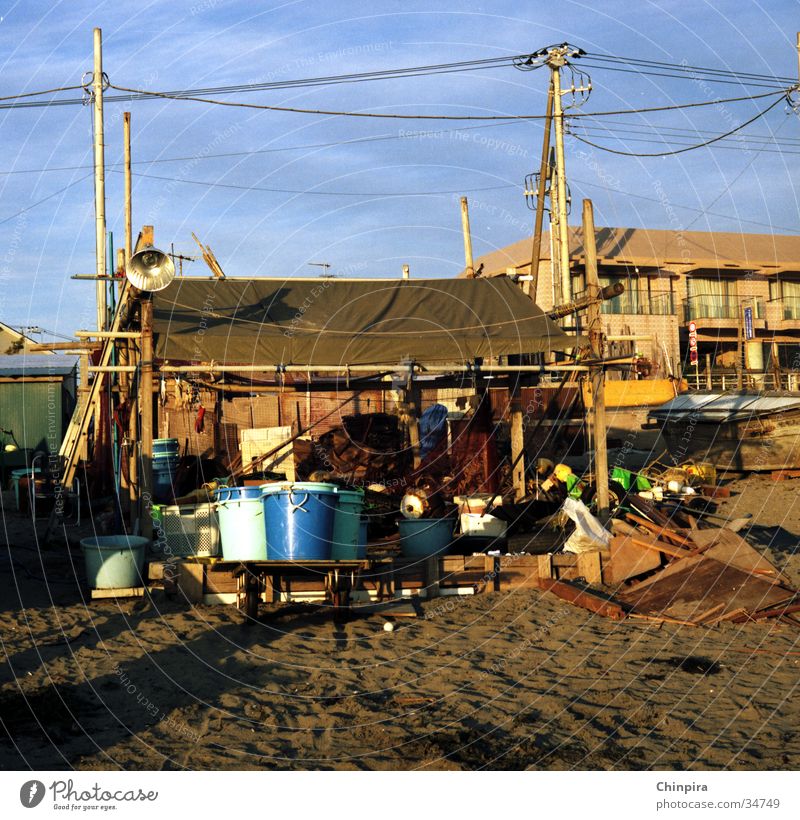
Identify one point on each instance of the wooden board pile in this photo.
(693, 577)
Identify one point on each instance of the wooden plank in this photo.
(590, 567)
(544, 566)
(660, 546)
(583, 598)
(730, 548)
(627, 561)
(696, 585)
(782, 475)
(661, 531)
(190, 581)
(121, 592)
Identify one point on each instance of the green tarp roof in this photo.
(341, 322)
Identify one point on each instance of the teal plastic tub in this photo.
(347, 525)
(299, 520)
(241, 523)
(114, 561)
(165, 447)
(423, 537)
(363, 537)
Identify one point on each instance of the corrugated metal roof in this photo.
(32, 364)
(709, 407)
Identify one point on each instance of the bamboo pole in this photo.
(99, 181)
(146, 416)
(469, 264)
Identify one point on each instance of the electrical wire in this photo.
(685, 67)
(45, 199)
(256, 151)
(397, 116)
(687, 148)
(208, 184)
(40, 93)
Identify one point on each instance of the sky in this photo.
(366, 208)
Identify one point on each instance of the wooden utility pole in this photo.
(598, 375)
(99, 180)
(145, 437)
(406, 272)
(536, 246)
(470, 266)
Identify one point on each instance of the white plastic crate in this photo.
(187, 530)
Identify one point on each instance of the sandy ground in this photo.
(500, 681)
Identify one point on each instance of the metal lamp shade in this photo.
(150, 269)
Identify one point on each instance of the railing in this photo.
(711, 306)
(728, 380)
(791, 306)
(638, 303)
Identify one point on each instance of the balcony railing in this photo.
(711, 306)
(790, 306)
(637, 303)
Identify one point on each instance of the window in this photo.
(711, 298)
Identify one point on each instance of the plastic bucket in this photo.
(241, 523)
(423, 537)
(165, 447)
(114, 561)
(163, 474)
(346, 525)
(299, 520)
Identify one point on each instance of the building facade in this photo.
(673, 279)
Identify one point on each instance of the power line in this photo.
(256, 151)
(208, 184)
(686, 68)
(687, 148)
(45, 199)
(397, 116)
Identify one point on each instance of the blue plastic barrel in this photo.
(114, 561)
(346, 525)
(164, 469)
(299, 520)
(241, 523)
(423, 537)
(165, 447)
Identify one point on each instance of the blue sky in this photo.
(353, 222)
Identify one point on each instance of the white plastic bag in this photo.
(590, 534)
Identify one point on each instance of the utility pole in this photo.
(126, 137)
(598, 374)
(536, 247)
(556, 59)
(470, 266)
(406, 272)
(99, 180)
(555, 235)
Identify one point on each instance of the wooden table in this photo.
(340, 577)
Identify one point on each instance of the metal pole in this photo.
(598, 375)
(558, 118)
(467, 237)
(99, 179)
(536, 247)
(126, 134)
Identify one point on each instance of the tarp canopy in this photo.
(341, 322)
(712, 407)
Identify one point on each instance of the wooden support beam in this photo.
(597, 373)
(583, 598)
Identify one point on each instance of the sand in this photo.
(515, 680)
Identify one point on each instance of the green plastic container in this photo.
(346, 525)
(424, 537)
(114, 561)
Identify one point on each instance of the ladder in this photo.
(79, 423)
